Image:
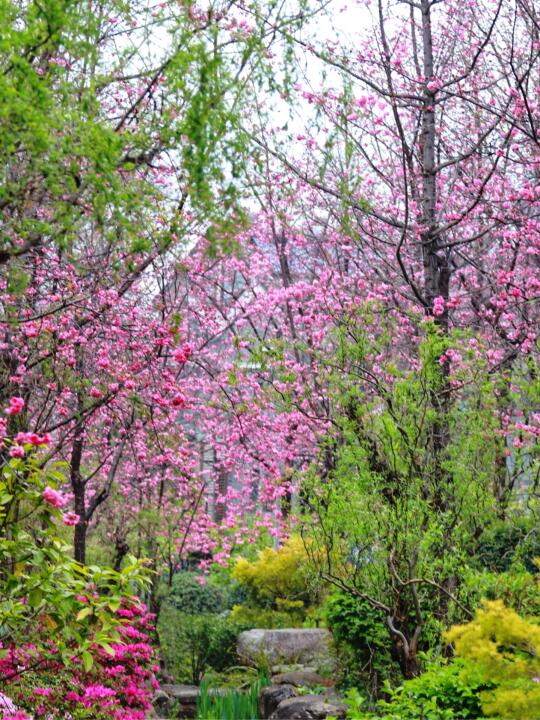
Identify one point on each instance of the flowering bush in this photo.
(118, 684)
(43, 591)
(73, 639)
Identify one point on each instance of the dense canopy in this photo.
(269, 353)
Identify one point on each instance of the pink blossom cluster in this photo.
(16, 405)
(121, 684)
(54, 498)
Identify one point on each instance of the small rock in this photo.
(301, 678)
(308, 707)
(162, 703)
(271, 697)
(184, 697)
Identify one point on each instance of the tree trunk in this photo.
(405, 653)
(78, 487)
(435, 259)
(79, 539)
(410, 666)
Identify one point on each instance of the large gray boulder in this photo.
(308, 707)
(303, 646)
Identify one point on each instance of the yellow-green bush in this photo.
(277, 575)
(505, 648)
(257, 617)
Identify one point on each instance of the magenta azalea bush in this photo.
(119, 683)
(74, 641)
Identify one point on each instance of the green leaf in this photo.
(84, 613)
(108, 649)
(88, 660)
(34, 597)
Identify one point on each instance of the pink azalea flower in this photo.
(94, 692)
(6, 704)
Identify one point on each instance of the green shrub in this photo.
(236, 594)
(193, 594)
(362, 642)
(355, 621)
(446, 691)
(504, 543)
(191, 644)
(255, 617)
(517, 588)
(441, 693)
(48, 601)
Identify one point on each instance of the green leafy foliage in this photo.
(517, 588)
(231, 704)
(361, 638)
(44, 593)
(281, 573)
(95, 685)
(191, 644)
(392, 513)
(355, 621)
(441, 693)
(71, 161)
(496, 673)
(506, 542)
(263, 617)
(279, 586)
(193, 594)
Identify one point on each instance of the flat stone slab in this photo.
(183, 696)
(189, 693)
(303, 646)
(301, 678)
(308, 707)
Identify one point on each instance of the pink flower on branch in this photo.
(30, 438)
(70, 518)
(438, 306)
(16, 404)
(53, 497)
